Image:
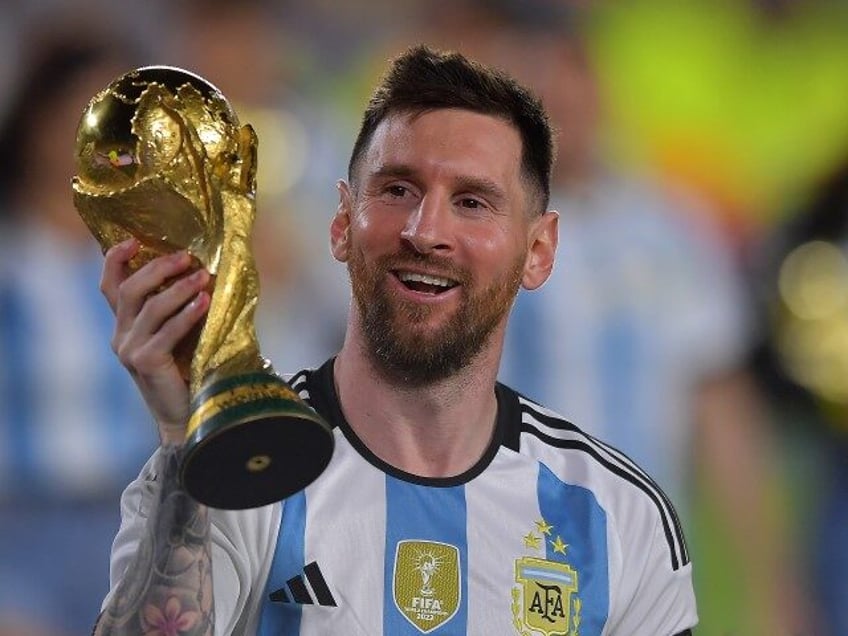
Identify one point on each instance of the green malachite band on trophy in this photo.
(234, 407)
(229, 382)
(254, 392)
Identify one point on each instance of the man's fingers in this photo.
(160, 307)
(115, 269)
(142, 352)
(178, 325)
(133, 291)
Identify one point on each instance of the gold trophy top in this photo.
(161, 157)
(153, 151)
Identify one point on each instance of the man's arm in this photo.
(168, 584)
(167, 587)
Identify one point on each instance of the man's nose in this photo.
(429, 226)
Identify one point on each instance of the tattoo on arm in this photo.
(167, 589)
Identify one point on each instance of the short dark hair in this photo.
(424, 79)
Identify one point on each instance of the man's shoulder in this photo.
(549, 435)
(310, 382)
(299, 377)
(627, 494)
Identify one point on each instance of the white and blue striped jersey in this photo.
(551, 532)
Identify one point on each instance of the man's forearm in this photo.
(168, 585)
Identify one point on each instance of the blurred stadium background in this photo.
(741, 103)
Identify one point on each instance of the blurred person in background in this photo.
(643, 330)
(803, 362)
(72, 427)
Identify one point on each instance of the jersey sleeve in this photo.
(240, 544)
(650, 595)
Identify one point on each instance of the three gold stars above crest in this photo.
(533, 541)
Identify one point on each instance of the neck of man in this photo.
(438, 430)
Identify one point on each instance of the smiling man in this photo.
(436, 230)
(452, 504)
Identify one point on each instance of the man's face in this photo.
(436, 234)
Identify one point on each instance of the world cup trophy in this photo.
(161, 156)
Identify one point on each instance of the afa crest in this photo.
(544, 600)
(426, 583)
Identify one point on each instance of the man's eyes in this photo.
(468, 203)
(398, 191)
(471, 204)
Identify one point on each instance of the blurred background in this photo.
(697, 317)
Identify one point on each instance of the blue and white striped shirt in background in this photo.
(643, 304)
(73, 430)
(72, 424)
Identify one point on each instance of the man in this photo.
(452, 505)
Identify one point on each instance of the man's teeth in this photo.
(408, 277)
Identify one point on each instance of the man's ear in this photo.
(543, 237)
(340, 225)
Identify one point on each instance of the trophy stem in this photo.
(232, 465)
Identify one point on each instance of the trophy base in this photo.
(252, 442)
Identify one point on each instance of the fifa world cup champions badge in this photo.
(426, 583)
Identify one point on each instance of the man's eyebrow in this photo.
(482, 185)
(400, 170)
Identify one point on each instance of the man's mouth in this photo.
(425, 283)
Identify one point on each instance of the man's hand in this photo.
(150, 321)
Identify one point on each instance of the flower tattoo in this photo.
(171, 620)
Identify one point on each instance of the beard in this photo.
(402, 349)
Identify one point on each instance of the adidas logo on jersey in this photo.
(296, 590)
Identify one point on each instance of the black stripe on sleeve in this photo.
(620, 465)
